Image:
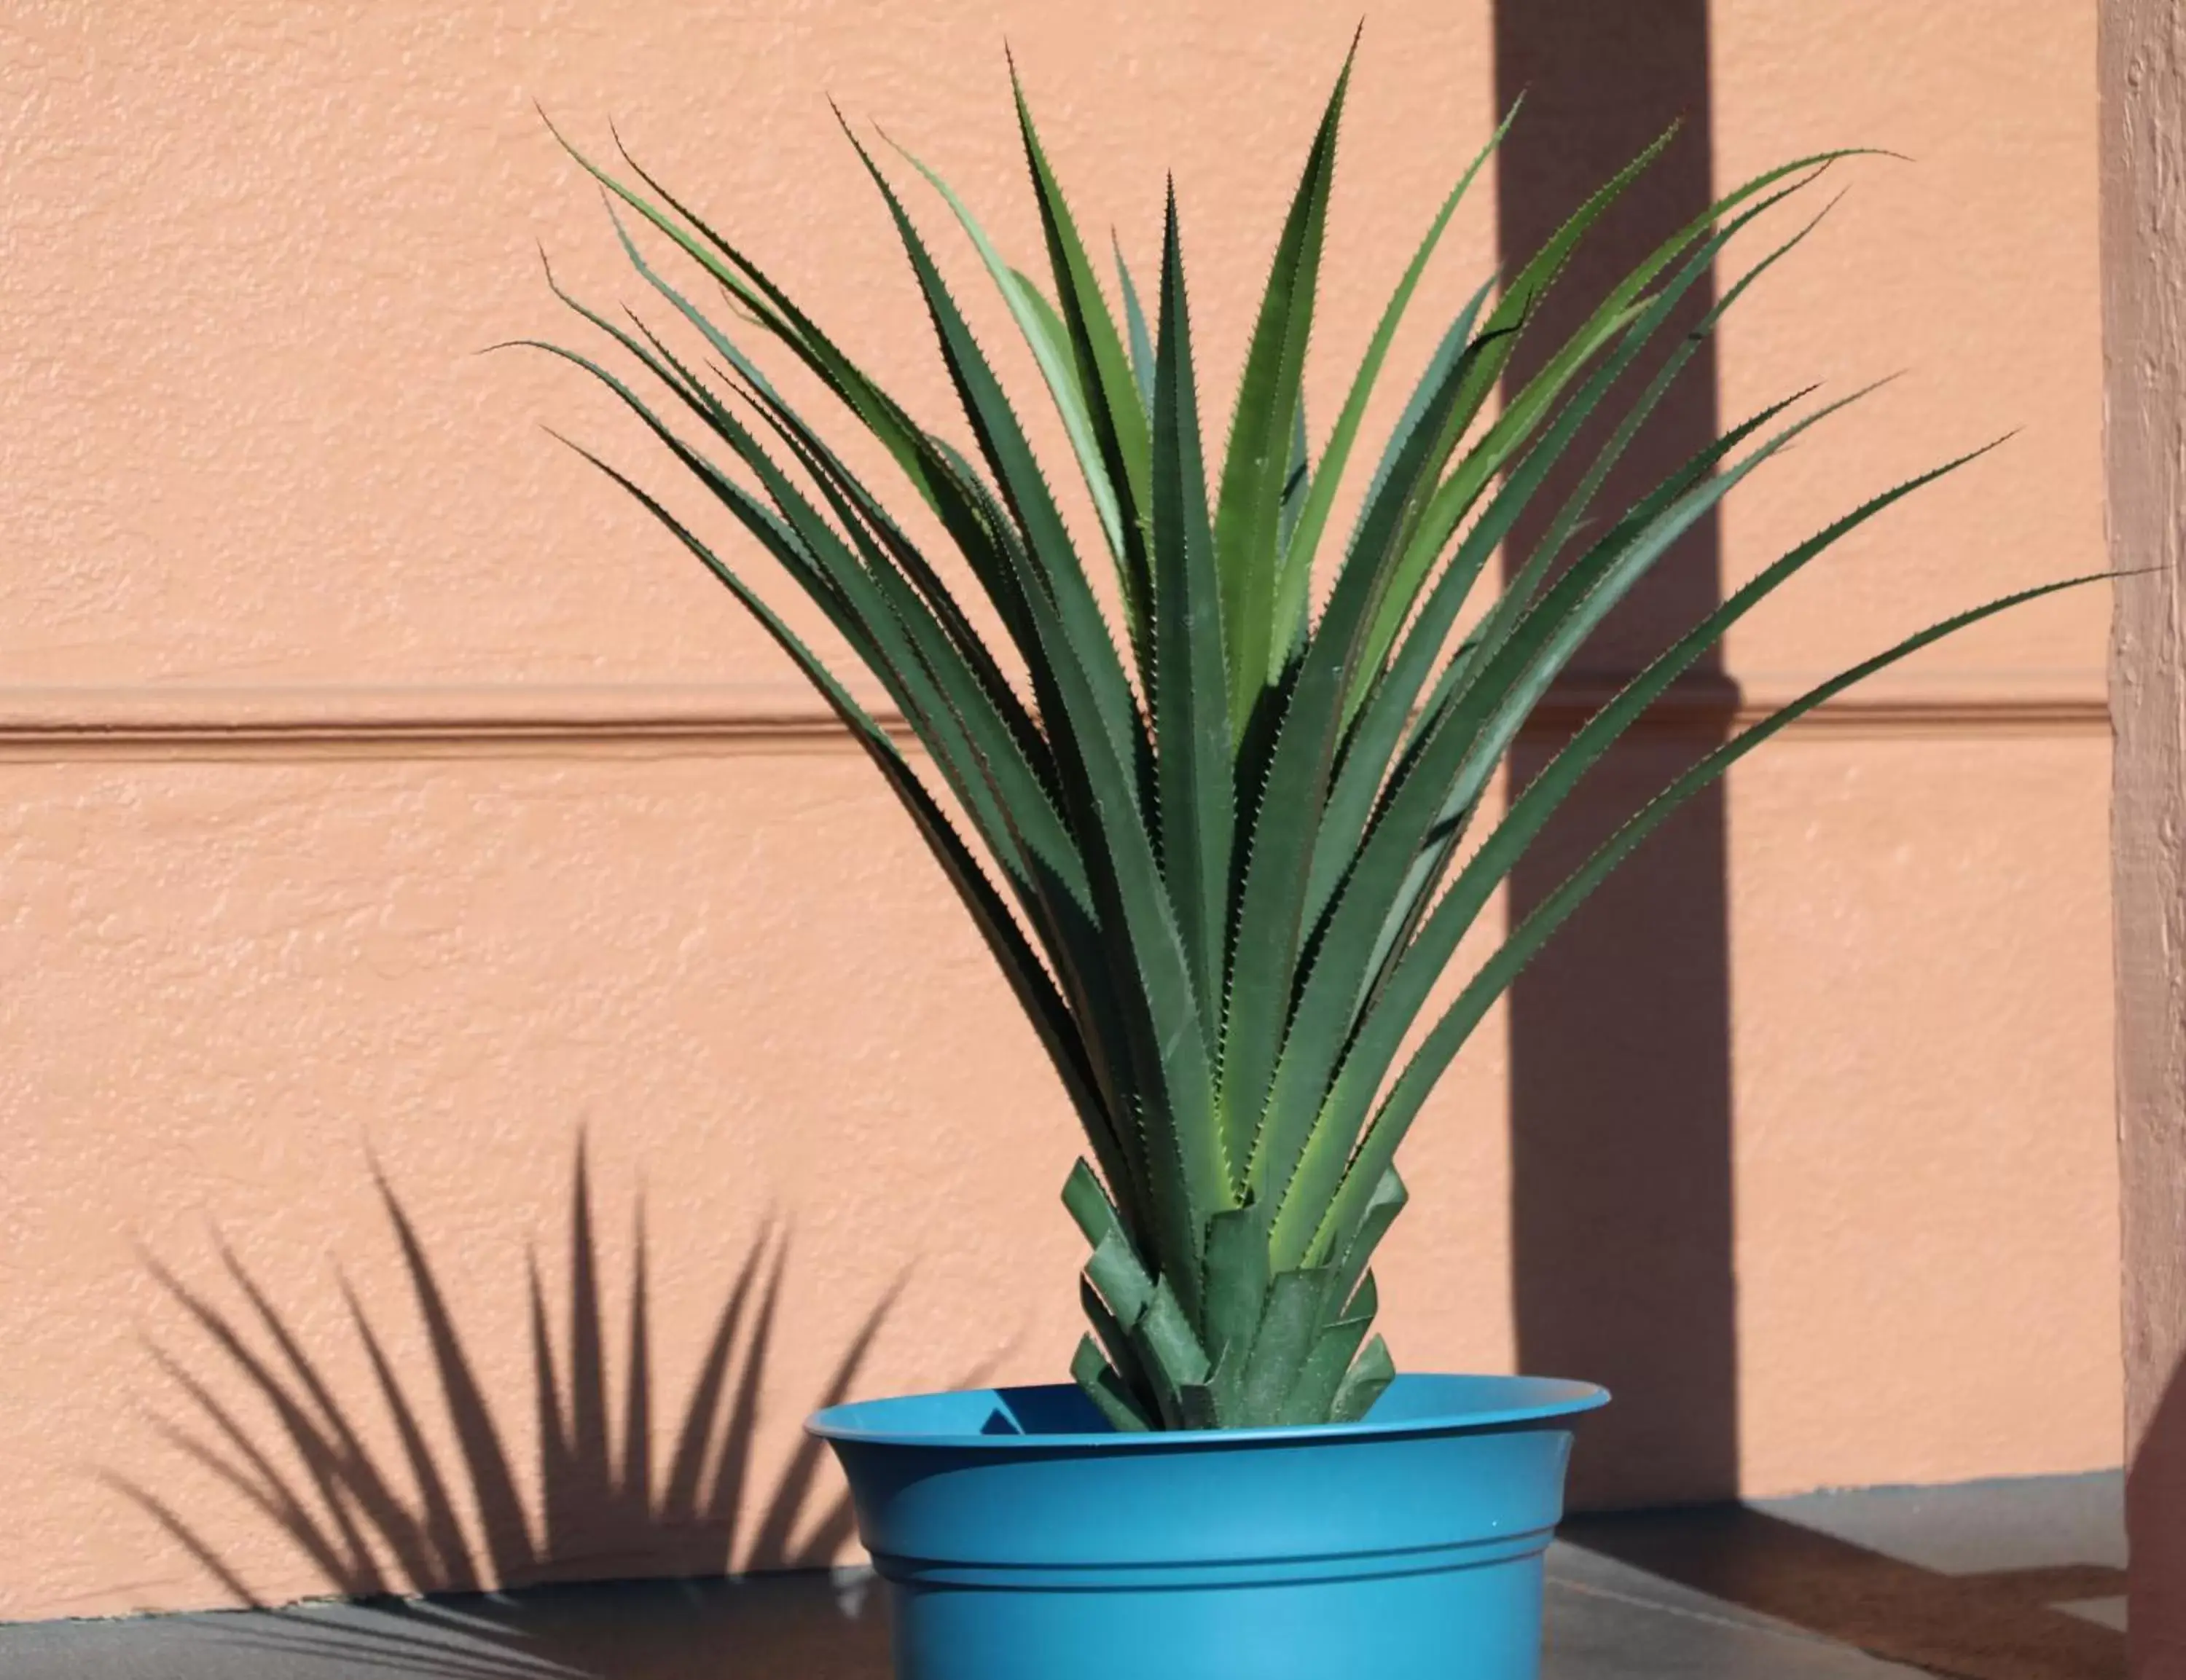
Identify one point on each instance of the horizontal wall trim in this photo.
(50, 724)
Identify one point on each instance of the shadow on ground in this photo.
(1986, 1580)
(614, 1500)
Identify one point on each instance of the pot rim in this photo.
(866, 1422)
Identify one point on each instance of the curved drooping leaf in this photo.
(1049, 338)
(1379, 1146)
(1120, 418)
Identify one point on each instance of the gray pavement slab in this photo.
(1990, 1580)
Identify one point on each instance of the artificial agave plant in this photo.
(1228, 836)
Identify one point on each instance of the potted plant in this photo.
(1222, 841)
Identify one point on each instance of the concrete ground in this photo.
(1988, 1580)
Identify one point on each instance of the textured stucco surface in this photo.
(2143, 230)
(251, 463)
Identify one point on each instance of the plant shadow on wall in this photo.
(673, 1512)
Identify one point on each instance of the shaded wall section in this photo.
(1620, 1119)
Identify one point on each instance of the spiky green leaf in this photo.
(1248, 518)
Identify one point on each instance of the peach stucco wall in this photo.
(378, 792)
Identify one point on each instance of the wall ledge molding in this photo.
(176, 721)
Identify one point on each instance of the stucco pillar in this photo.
(2143, 79)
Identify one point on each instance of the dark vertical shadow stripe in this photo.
(1620, 1052)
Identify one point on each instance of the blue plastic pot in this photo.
(1022, 1539)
